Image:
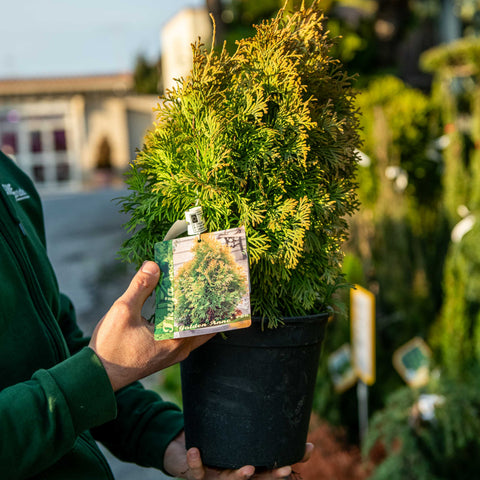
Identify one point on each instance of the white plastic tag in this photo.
(194, 217)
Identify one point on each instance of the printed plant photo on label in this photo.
(204, 286)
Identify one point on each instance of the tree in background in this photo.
(428, 434)
(377, 36)
(400, 192)
(440, 441)
(398, 237)
(147, 76)
(457, 68)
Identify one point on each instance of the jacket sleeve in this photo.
(42, 417)
(144, 425)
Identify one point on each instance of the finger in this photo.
(244, 473)
(199, 340)
(195, 464)
(309, 447)
(282, 472)
(142, 285)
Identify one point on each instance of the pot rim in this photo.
(314, 317)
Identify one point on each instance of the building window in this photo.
(39, 173)
(36, 141)
(60, 140)
(9, 143)
(63, 172)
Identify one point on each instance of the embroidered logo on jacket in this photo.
(19, 194)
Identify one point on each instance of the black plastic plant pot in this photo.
(247, 398)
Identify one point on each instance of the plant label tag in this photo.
(204, 286)
(413, 362)
(195, 224)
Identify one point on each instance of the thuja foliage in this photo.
(463, 52)
(411, 123)
(398, 239)
(457, 74)
(400, 233)
(456, 69)
(263, 138)
(440, 443)
(209, 287)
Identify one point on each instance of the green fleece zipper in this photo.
(18, 250)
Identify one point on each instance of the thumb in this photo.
(194, 463)
(142, 285)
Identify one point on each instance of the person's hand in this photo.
(188, 465)
(123, 339)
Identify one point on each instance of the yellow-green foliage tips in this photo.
(263, 138)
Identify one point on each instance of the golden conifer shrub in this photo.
(265, 138)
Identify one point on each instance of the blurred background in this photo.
(78, 82)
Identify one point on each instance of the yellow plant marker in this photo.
(362, 316)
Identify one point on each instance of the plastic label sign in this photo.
(341, 369)
(412, 362)
(362, 316)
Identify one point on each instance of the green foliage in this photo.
(402, 237)
(146, 76)
(411, 124)
(457, 68)
(263, 138)
(460, 315)
(170, 385)
(422, 447)
(353, 270)
(400, 232)
(352, 42)
(456, 176)
(208, 287)
(356, 50)
(399, 236)
(457, 73)
(463, 54)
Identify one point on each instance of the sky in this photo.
(42, 38)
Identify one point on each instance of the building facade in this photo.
(81, 132)
(188, 26)
(73, 132)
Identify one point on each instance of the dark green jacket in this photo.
(55, 395)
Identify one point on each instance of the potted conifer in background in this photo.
(265, 139)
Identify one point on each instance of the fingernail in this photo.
(150, 268)
(249, 474)
(194, 454)
(285, 472)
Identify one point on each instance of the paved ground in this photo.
(84, 232)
